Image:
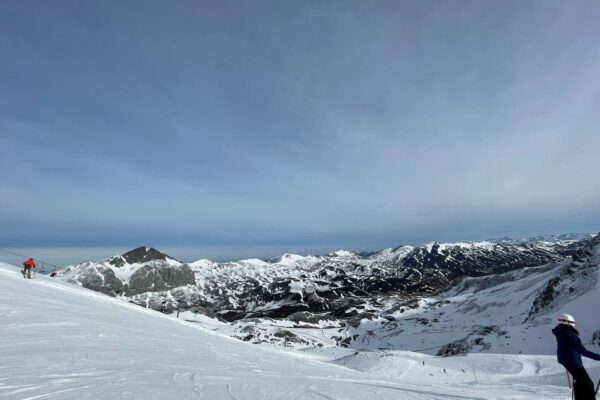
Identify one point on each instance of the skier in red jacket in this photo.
(28, 265)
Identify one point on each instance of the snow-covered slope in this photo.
(61, 341)
(504, 313)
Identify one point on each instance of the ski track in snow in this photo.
(60, 341)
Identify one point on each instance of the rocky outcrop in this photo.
(158, 278)
(455, 261)
(143, 270)
(463, 346)
(100, 279)
(575, 278)
(139, 255)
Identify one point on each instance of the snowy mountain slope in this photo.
(478, 314)
(301, 301)
(505, 313)
(62, 341)
(341, 283)
(307, 301)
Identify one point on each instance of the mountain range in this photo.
(352, 299)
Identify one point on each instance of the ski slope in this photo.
(60, 341)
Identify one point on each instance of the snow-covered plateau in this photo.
(62, 341)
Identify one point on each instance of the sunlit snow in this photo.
(60, 341)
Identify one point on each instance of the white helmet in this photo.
(566, 319)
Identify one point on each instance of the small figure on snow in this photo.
(28, 265)
(569, 352)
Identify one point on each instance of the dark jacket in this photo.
(569, 348)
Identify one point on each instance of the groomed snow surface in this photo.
(60, 341)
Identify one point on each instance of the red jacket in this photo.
(30, 263)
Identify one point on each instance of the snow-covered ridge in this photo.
(565, 238)
(316, 292)
(365, 325)
(342, 284)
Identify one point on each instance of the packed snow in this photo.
(61, 341)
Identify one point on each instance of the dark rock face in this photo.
(102, 280)
(151, 278)
(463, 346)
(458, 347)
(309, 318)
(156, 272)
(545, 298)
(139, 255)
(454, 262)
(257, 334)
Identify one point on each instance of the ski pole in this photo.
(570, 386)
(598, 386)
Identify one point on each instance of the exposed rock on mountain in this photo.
(142, 271)
(577, 277)
(158, 278)
(94, 276)
(139, 255)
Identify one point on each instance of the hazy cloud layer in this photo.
(354, 124)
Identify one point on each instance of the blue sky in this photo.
(296, 124)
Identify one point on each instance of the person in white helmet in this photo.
(569, 351)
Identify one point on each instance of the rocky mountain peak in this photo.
(139, 255)
(143, 275)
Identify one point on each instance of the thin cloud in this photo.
(271, 124)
